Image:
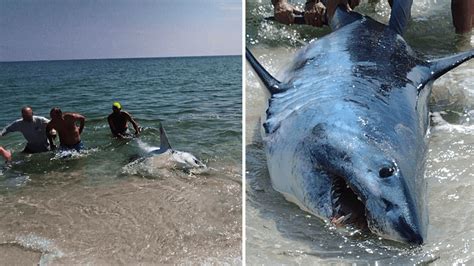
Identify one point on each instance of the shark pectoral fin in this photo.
(164, 143)
(272, 84)
(439, 67)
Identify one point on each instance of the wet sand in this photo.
(188, 219)
(14, 254)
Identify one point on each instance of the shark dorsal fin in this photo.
(342, 17)
(439, 67)
(272, 84)
(164, 143)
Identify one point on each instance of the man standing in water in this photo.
(33, 129)
(68, 131)
(118, 121)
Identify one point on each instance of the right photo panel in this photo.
(359, 132)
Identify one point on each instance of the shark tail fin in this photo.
(439, 67)
(164, 143)
(272, 84)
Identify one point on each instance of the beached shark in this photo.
(345, 130)
(167, 156)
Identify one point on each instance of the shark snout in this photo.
(411, 234)
(404, 225)
(398, 222)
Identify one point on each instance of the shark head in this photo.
(351, 180)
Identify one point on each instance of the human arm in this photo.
(50, 127)
(285, 12)
(15, 126)
(43, 120)
(134, 124)
(315, 13)
(81, 119)
(6, 154)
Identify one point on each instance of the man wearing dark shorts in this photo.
(118, 121)
(68, 130)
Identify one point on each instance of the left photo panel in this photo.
(121, 132)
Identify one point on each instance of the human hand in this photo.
(332, 4)
(138, 130)
(285, 13)
(314, 13)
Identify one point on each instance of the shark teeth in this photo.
(347, 206)
(341, 220)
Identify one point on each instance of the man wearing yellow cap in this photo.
(118, 121)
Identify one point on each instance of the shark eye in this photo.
(386, 171)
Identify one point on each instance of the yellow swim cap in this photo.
(117, 104)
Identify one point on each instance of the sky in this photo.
(87, 29)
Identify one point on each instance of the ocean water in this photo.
(278, 232)
(109, 204)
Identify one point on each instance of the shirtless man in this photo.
(66, 126)
(118, 121)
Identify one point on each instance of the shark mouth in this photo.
(348, 208)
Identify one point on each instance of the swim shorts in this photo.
(78, 147)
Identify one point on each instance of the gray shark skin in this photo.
(345, 132)
(183, 159)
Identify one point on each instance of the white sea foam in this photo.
(73, 154)
(45, 246)
(442, 125)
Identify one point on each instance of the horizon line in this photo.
(118, 58)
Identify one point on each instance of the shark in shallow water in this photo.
(161, 159)
(180, 158)
(345, 130)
